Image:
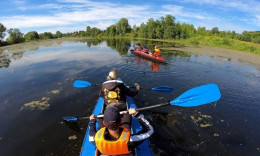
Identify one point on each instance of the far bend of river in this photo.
(36, 91)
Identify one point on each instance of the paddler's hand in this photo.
(137, 86)
(92, 117)
(132, 111)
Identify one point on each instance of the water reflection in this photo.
(119, 45)
(154, 65)
(4, 59)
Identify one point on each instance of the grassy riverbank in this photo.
(226, 43)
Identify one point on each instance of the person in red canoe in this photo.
(113, 139)
(139, 47)
(156, 51)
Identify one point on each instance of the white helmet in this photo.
(113, 75)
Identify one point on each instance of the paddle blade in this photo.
(163, 89)
(70, 119)
(198, 96)
(81, 84)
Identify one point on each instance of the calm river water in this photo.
(36, 91)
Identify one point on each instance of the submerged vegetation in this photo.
(165, 28)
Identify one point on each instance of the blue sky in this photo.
(75, 15)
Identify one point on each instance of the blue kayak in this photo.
(88, 149)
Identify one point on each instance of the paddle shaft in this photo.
(123, 112)
(141, 88)
(83, 84)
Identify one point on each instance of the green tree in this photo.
(143, 31)
(122, 27)
(88, 29)
(111, 31)
(159, 32)
(135, 31)
(223, 34)
(151, 28)
(245, 36)
(32, 35)
(201, 31)
(46, 35)
(2, 32)
(232, 34)
(214, 30)
(159, 29)
(169, 32)
(169, 20)
(15, 36)
(82, 34)
(255, 36)
(93, 32)
(58, 34)
(187, 31)
(178, 32)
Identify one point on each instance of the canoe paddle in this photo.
(194, 97)
(83, 84)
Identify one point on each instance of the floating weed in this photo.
(55, 91)
(73, 137)
(45, 98)
(200, 119)
(196, 120)
(206, 116)
(205, 125)
(37, 105)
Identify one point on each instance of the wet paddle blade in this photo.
(163, 89)
(198, 96)
(70, 119)
(81, 84)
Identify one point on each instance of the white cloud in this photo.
(102, 15)
(70, 15)
(250, 7)
(179, 11)
(19, 2)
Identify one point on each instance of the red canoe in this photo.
(148, 56)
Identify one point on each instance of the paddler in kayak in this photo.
(139, 47)
(155, 52)
(114, 139)
(114, 91)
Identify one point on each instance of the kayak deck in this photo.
(88, 149)
(148, 56)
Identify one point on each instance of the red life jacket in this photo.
(139, 48)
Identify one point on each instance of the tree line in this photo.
(163, 28)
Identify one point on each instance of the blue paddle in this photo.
(194, 97)
(83, 84)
